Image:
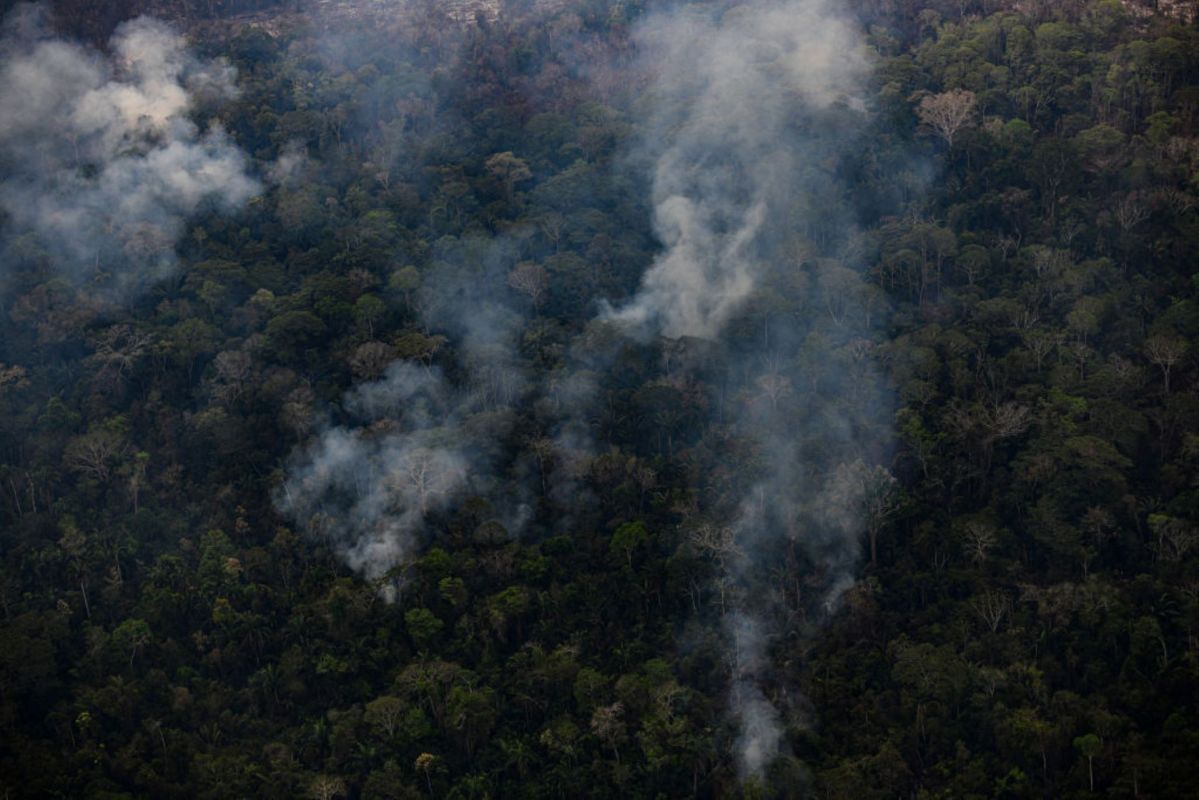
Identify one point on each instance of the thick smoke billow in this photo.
(369, 487)
(752, 107)
(727, 89)
(416, 442)
(100, 161)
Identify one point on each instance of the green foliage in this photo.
(1024, 620)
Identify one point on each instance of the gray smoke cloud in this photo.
(100, 159)
(760, 730)
(750, 108)
(418, 442)
(748, 112)
(369, 488)
(726, 89)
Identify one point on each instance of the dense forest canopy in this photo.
(599, 398)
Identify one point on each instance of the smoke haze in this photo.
(418, 442)
(749, 112)
(723, 132)
(101, 161)
(750, 109)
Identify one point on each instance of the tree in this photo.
(608, 726)
(94, 452)
(1088, 747)
(418, 347)
(368, 311)
(1165, 352)
(326, 787)
(422, 626)
(510, 170)
(530, 279)
(425, 763)
(948, 112)
(131, 635)
(386, 713)
(471, 714)
(628, 538)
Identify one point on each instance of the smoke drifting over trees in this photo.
(370, 490)
(746, 114)
(752, 106)
(101, 162)
(728, 137)
(418, 442)
(600, 398)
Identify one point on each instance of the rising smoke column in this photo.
(725, 93)
(751, 107)
(100, 160)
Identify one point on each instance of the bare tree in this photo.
(980, 538)
(1040, 344)
(530, 279)
(991, 608)
(1131, 211)
(880, 502)
(716, 542)
(117, 349)
(1175, 537)
(552, 225)
(1003, 421)
(93, 453)
(1165, 352)
(774, 387)
(297, 414)
(425, 474)
(326, 787)
(719, 543)
(233, 370)
(948, 112)
(386, 713)
(609, 728)
(987, 424)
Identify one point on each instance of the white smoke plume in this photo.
(748, 111)
(417, 442)
(726, 89)
(100, 159)
(369, 488)
(760, 730)
(739, 138)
